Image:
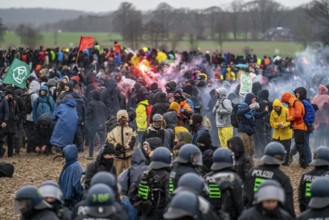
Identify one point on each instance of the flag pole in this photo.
(76, 60)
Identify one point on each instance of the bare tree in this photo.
(154, 31)
(234, 15)
(163, 14)
(221, 33)
(319, 12)
(263, 15)
(212, 15)
(128, 21)
(28, 35)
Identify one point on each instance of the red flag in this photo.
(86, 42)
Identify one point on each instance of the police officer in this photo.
(189, 160)
(268, 199)
(101, 204)
(191, 182)
(274, 155)
(150, 196)
(53, 195)
(29, 203)
(321, 166)
(103, 177)
(227, 199)
(319, 203)
(185, 205)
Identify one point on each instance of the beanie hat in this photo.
(70, 84)
(188, 89)
(157, 117)
(122, 113)
(174, 106)
(204, 138)
(52, 82)
(108, 149)
(9, 92)
(197, 118)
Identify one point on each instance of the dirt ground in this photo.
(35, 169)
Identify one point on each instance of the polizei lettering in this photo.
(263, 173)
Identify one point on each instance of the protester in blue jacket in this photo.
(69, 180)
(66, 118)
(43, 104)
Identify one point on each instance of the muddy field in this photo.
(34, 169)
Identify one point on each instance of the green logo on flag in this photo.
(17, 74)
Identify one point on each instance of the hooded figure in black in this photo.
(205, 145)
(153, 93)
(112, 98)
(263, 133)
(243, 162)
(161, 104)
(42, 133)
(104, 162)
(96, 117)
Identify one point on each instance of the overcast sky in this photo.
(111, 5)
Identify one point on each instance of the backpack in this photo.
(309, 116)
(111, 123)
(235, 121)
(6, 170)
(47, 102)
(27, 103)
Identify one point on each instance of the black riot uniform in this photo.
(319, 203)
(101, 204)
(150, 196)
(273, 156)
(226, 196)
(321, 163)
(189, 160)
(268, 190)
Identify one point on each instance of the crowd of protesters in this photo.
(178, 131)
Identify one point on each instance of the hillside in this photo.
(11, 17)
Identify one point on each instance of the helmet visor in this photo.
(196, 159)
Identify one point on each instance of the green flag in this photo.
(17, 74)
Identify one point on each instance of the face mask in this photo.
(108, 162)
(156, 124)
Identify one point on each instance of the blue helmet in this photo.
(319, 193)
(27, 198)
(184, 204)
(321, 157)
(106, 178)
(100, 201)
(274, 154)
(222, 158)
(270, 190)
(189, 153)
(51, 189)
(161, 158)
(191, 182)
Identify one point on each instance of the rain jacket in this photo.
(69, 180)
(33, 92)
(40, 105)
(66, 118)
(96, 112)
(296, 111)
(280, 133)
(115, 137)
(131, 175)
(224, 109)
(322, 102)
(247, 116)
(141, 116)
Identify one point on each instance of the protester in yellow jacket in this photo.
(282, 131)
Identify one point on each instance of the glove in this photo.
(132, 142)
(119, 149)
(254, 106)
